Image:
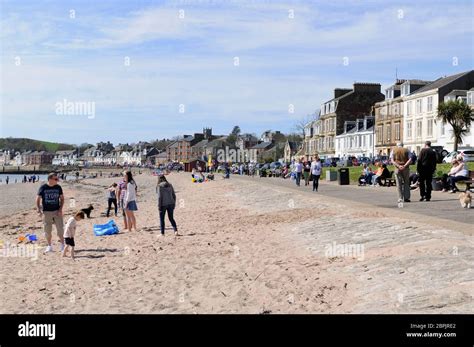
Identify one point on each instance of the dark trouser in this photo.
(114, 202)
(306, 178)
(425, 184)
(453, 179)
(444, 181)
(298, 178)
(170, 210)
(315, 182)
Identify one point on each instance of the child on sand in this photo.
(70, 231)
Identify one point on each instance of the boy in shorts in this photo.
(70, 231)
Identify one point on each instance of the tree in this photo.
(235, 131)
(457, 114)
(294, 138)
(232, 138)
(301, 123)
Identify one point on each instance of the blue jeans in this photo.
(298, 178)
(170, 210)
(453, 179)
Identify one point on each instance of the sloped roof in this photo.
(293, 145)
(70, 151)
(440, 82)
(201, 144)
(217, 142)
(457, 92)
(262, 145)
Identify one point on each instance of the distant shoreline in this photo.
(29, 170)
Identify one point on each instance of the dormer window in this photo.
(405, 89)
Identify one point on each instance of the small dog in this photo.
(87, 211)
(465, 199)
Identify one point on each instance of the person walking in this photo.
(425, 167)
(400, 158)
(166, 203)
(316, 172)
(49, 204)
(298, 171)
(306, 171)
(112, 198)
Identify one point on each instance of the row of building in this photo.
(360, 121)
(104, 153)
(364, 122)
(200, 146)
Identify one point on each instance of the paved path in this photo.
(443, 205)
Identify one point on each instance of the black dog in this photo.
(87, 211)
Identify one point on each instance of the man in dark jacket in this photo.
(426, 166)
(166, 203)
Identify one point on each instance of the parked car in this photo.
(344, 162)
(441, 153)
(468, 155)
(276, 165)
(331, 162)
(364, 160)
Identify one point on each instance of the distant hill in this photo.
(22, 144)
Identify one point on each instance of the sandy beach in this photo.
(246, 247)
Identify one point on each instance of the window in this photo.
(397, 131)
(470, 98)
(395, 109)
(409, 108)
(406, 89)
(430, 104)
(389, 132)
(379, 133)
(419, 128)
(418, 106)
(429, 128)
(409, 129)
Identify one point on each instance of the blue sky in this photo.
(289, 52)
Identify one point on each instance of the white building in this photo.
(5, 157)
(357, 139)
(65, 157)
(420, 112)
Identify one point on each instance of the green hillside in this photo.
(23, 144)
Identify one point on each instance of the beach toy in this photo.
(109, 228)
(28, 238)
(31, 237)
(193, 180)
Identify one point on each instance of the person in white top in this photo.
(70, 232)
(298, 170)
(316, 168)
(130, 200)
(457, 173)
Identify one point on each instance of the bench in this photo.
(388, 181)
(469, 181)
